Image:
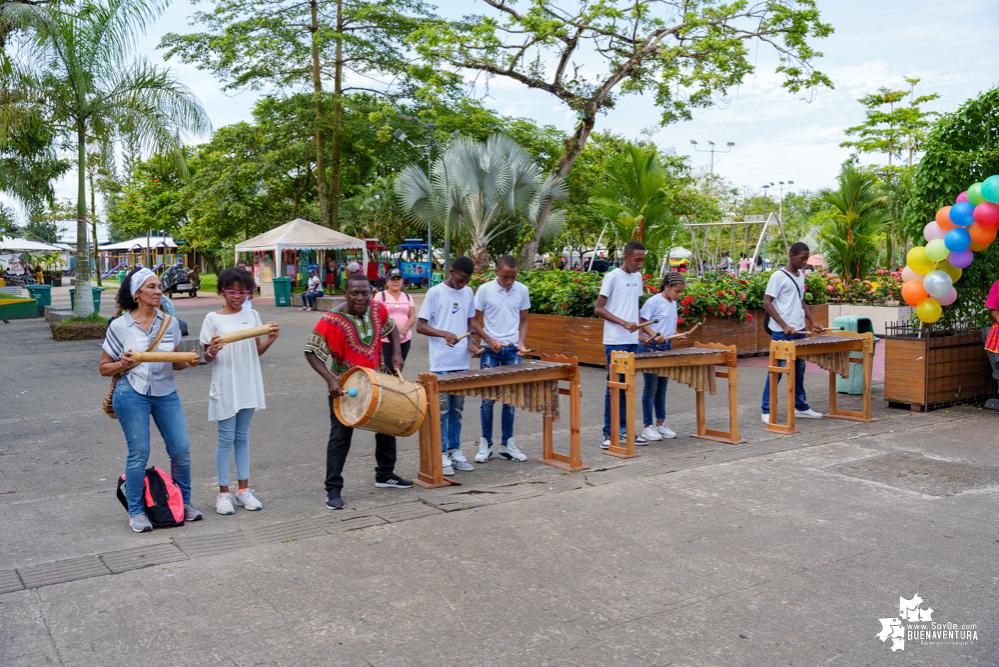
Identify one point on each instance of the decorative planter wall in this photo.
(936, 370)
(880, 316)
(582, 337)
(18, 309)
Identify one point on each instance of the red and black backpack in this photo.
(162, 500)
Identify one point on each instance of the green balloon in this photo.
(936, 250)
(990, 189)
(975, 194)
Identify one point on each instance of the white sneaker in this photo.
(511, 453)
(459, 462)
(808, 414)
(651, 433)
(245, 498)
(765, 418)
(446, 463)
(605, 444)
(485, 451)
(223, 504)
(666, 432)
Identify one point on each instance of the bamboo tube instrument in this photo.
(165, 357)
(252, 332)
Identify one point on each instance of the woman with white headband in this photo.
(147, 390)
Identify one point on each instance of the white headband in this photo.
(139, 277)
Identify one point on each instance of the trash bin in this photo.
(438, 278)
(42, 294)
(282, 291)
(121, 275)
(97, 298)
(855, 383)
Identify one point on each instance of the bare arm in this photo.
(600, 310)
(411, 322)
(816, 327)
(394, 338)
(262, 345)
(109, 366)
(522, 340)
(473, 324)
(768, 305)
(423, 327)
(332, 383)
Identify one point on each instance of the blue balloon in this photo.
(957, 240)
(962, 214)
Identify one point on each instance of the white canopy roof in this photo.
(300, 235)
(8, 244)
(139, 243)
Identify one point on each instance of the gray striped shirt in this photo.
(148, 379)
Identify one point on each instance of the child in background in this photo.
(992, 303)
(660, 307)
(237, 389)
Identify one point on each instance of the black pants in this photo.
(387, 353)
(339, 445)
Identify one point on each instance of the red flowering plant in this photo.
(723, 296)
(881, 288)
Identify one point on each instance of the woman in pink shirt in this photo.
(401, 309)
(743, 263)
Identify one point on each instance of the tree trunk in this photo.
(573, 147)
(93, 222)
(334, 197)
(480, 255)
(84, 302)
(324, 218)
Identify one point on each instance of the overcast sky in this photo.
(777, 135)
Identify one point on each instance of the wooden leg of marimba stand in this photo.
(833, 410)
(701, 411)
(865, 415)
(628, 386)
(574, 460)
(732, 436)
(431, 475)
(868, 371)
(792, 376)
(774, 372)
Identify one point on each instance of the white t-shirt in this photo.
(623, 291)
(501, 309)
(658, 308)
(787, 291)
(236, 379)
(315, 284)
(246, 304)
(448, 309)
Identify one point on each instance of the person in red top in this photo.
(351, 336)
(992, 303)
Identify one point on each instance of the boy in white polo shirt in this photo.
(784, 302)
(617, 304)
(504, 304)
(448, 312)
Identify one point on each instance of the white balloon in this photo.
(908, 275)
(933, 231)
(937, 283)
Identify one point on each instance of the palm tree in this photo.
(481, 188)
(859, 213)
(73, 74)
(639, 196)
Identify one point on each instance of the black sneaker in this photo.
(333, 500)
(394, 482)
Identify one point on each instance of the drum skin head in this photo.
(353, 409)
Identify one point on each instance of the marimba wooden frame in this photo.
(787, 351)
(431, 475)
(627, 364)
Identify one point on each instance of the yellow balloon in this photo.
(918, 261)
(954, 272)
(929, 311)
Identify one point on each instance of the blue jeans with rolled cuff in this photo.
(451, 407)
(800, 400)
(505, 357)
(654, 393)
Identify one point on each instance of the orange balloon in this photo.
(974, 247)
(913, 293)
(943, 219)
(981, 235)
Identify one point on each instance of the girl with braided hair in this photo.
(660, 307)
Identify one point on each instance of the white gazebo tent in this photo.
(12, 248)
(298, 235)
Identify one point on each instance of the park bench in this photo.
(11, 291)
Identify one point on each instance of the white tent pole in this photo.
(599, 239)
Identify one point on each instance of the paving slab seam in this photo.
(398, 512)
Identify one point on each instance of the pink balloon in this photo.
(961, 260)
(962, 197)
(986, 214)
(948, 298)
(932, 231)
(909, 275)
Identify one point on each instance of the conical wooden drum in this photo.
(384, 403)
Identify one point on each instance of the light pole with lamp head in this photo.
(780, 211)
(766, 188)
(712, 150)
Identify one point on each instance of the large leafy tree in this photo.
(685, 53)
(74, 74)
(857, 214)
(290, 43)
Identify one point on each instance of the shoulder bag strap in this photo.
(159, 334)
(794, 282)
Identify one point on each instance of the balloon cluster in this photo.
(968, 226)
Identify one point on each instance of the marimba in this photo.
(692, 366)
(828, 351)
(531, 385)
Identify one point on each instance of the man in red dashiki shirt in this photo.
(346, 337)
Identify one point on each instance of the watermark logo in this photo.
(915, 624)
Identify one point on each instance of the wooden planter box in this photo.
(936, 370)
(583, 337)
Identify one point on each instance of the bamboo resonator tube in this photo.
(252, 332)
(165, 357)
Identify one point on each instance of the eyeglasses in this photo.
(236, 292)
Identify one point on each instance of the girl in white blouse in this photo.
(237, 389)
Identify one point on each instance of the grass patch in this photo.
(89, 319)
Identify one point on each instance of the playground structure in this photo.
(412, 256)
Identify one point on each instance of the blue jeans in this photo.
(506, 357)
(800, 400)
(451, 407)
(311, 298)
(654, 393)
(623, 410)
(133, 410)
(234, 436)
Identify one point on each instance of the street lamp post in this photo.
(766, 188)
(780, 212)
(712, 150)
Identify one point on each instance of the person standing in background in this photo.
(744, 264)
(402, 309)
